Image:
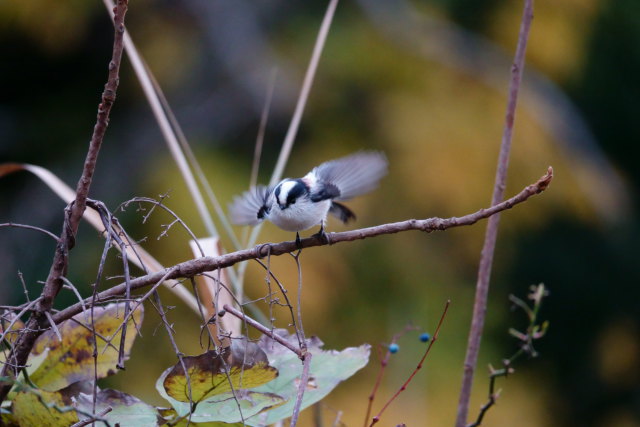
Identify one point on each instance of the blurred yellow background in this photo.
(426, 83)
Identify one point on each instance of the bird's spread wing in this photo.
(252, 206)
(353, 175)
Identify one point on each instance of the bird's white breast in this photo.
(301, 215)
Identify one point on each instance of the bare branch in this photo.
(15, 319)
(53, 326)
(486, 258)
(95, 418)
(74, 212)
(299, 328)
(304, 380)
(30, 227)
(176, 350)
(197, 266)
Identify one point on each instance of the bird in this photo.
(298, 204)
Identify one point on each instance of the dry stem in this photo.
(486, 258)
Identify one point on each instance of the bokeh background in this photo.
(424, 81)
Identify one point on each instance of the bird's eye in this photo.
(291, 200)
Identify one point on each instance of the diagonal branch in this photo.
(73, 213)
(200, 265)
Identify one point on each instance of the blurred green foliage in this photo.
(439, 124)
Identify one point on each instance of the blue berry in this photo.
(393, 348)
(424, 337)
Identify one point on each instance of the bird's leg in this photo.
(321, 234)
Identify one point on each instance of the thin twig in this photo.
(383, 365)
(93, 218)
(284, 295)
(17, 317)
(69, 285)
(205, 321)
(486, 258)
(105, 217)
(300, 329)
(162, 206)
(534, 332)
(30, 227)
(111, 234)
(92, 419)
(415, 371)
(139, 301)
(200, 265)
(263, 329)
(176, 350)
(53, 325)
(24, 285)
(304, 380)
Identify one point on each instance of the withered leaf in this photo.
(12, 333)
(71, 360)
(28, 409)
(243, 365)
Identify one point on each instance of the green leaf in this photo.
(72, 360)
(171, 414)
(327, 370)
(222, 407)
(244, 365)
(248, 367)
(126, 410)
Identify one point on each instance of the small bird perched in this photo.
(297, 204)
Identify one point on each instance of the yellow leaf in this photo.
(12, 332)
(244, 365)
(29, 410)
(72, 359)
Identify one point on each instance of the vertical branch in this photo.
(486, 258)
(304, 380)
(106, 221)
(176, 350)
(300, 329)
(73, 213)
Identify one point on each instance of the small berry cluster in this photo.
(394, 348)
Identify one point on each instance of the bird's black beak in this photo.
(282, 207)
